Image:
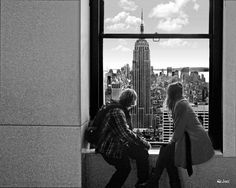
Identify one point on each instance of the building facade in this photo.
(141, 78)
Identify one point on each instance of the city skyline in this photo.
(120, 17)
(147, 113)
(200, 70)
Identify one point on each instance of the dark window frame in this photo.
(215, 36)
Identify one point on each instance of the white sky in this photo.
(162, 16)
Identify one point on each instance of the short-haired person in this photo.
(189, 144)
(119, 143)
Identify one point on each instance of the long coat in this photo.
(185, 119)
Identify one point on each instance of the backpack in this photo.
(96, 125)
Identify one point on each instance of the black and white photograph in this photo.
(118, 93)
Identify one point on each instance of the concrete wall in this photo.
(84, 62)
(229, 78)
(208, 175)
(42, 106)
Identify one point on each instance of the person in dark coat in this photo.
(119, 143)
(189, 144)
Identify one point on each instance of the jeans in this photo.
(123, 167)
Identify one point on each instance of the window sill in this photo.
(152, 151)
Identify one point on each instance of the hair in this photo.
(174, 93)
(127, 97)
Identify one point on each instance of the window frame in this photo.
(215, 36)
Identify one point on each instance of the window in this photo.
(146, 45)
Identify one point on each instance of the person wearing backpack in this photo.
(118, 143)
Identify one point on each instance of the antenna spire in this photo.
(142, 25)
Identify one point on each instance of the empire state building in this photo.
(142, 112)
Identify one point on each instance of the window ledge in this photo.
(152, 151)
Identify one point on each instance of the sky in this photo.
(161, 16)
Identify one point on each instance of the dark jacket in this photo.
(117, 135)
(185, 120)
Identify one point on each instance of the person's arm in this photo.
(179, 121)
(121, 129)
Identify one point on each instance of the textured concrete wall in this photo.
(229, 77)
(40, 93)
(84, 58)
(40, 156)
(39, 62)
(208, 175)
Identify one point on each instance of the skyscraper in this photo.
(142, 113)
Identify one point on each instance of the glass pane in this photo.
(148, 67)
(161, 16)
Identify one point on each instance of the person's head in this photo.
(174, 93)
(128, 98)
